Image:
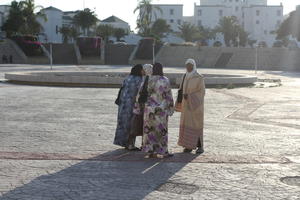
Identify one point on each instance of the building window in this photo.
(199, 12)
(257, 22)
(179, 21)
(257, 13)
(56, 29)
(230, 0)
(279, 13)
(236, 0)
(171, 20)
(199, 23)
(221, 13)
(278, 22)
(266, 32)
(171, 11)
(243, 15)
(236, 8)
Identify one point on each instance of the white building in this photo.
(116, 23)
(52, 25)
(257, 18)
(172, 13)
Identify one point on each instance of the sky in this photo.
(124, 8)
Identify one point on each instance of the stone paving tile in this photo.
(140, 180)
(56, 143)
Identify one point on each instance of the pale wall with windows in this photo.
(52, 25)
(257, 18)
(262, 21)
(173, 14)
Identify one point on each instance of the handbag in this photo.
(118, 100)
(137, 123)
(178, 104)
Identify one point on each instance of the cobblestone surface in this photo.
(56, 143)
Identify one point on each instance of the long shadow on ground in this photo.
(112, 175)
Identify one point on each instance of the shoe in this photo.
(134, 149)
(199, 151)
(150, 155)
(185, 150)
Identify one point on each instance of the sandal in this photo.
(187, 150)
(134, 149)
(150, 155)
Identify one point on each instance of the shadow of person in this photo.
(116, 174)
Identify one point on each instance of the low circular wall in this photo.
(112, 79)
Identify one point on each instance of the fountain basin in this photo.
(113, 79)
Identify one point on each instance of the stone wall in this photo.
(242, 58)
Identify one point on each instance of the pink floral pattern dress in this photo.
(158, 108)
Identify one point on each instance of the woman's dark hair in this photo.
(158, 69)
(136, 70)
(144, 92)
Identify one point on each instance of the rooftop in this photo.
(113, 19)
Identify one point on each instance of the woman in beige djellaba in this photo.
(191, 98)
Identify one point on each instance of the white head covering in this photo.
(148, 68)
(194, 71)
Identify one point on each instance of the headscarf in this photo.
(148, 68)
(136, 70)
(158, 69)
(194, 71)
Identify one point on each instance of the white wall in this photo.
(245, 10)
(261, 25)
(209, 16)
(173, 14)
(52, 25)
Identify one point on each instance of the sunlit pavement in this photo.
(56, 143)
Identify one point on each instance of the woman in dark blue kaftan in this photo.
(126, 102)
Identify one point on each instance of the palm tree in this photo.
(160, 27)
(119, 33)
(31, 25)
(145, 18)
(23, 19)
(85, 19)
(231, 30)
(188, 31)
(66, 33)
(105, 31)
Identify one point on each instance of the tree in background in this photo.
(85, 19)
(203, 34)
(66, 33)
(145, 18)
(31, 25)
(15, 19)
(290, 26)
(188, 31)
(22, 19)
(160, 27)
(118, 33)
(231, 31)
(105, 31)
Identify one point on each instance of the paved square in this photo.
(56, 144)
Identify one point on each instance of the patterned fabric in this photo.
(158, 108)
(128, 94)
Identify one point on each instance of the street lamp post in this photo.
(51, 56)
(256, 58)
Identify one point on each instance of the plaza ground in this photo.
(56, 143)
